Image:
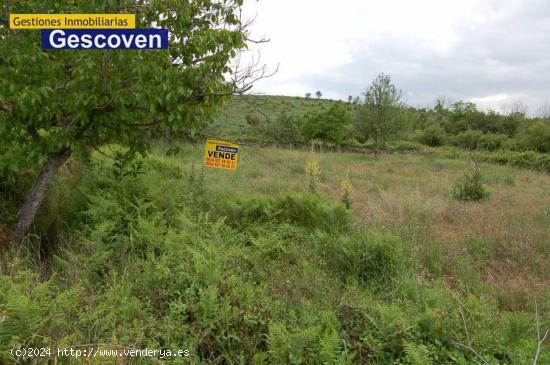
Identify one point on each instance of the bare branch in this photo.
(465, 327)
(540, 340)
(469, 346)
(244, 78)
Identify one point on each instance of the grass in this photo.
(248, 267)
(410, 196)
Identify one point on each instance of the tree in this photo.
(308, 95)
(58, 104)
(284, 129)
(460, 117)
(536, 137)
(378, 117)
(318, 93)
(329, 126)
(350, 99)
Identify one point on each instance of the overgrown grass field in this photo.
(265, 266)
(502, 243)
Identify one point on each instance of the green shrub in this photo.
(404, 146)
(470, 187)
(252, 119)
(527, 160)
(491, 141)
(284, 129)
(469, 139)
(352, 142)
(536, 137)
(373, 258)
(432, 136)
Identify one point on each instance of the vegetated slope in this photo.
(247, 267)
(231, 121)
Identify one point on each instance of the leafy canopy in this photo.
(52, 101)
(330, 125)
(378, 117)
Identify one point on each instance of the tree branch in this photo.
(469, 346)
(540, 340)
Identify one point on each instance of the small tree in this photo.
(378, 116)
(308, 95)
(60, 103)
(350, 99)
(461, 117)
(329, 126)
(470, 187)
(318, 93)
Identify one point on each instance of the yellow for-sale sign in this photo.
(221, 154)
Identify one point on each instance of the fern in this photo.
(329, 347)
(417, 354)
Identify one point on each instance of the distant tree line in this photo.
(380, 116)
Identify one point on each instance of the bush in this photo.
(470, 187)
(469, 139)
(252, 119)
(432, 136)
(404, 146)
(491, 141)
(372, 258)
(536, 137)
(284, 129)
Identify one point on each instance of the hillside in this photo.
(231, 120)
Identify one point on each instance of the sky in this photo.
(490, 52)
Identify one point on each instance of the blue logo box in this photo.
(139, 38)
(227, 149)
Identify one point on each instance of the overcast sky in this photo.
(491, 52)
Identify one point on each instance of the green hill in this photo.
(231, 121)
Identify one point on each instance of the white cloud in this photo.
(491, 51)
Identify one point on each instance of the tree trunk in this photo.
(38, 191)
